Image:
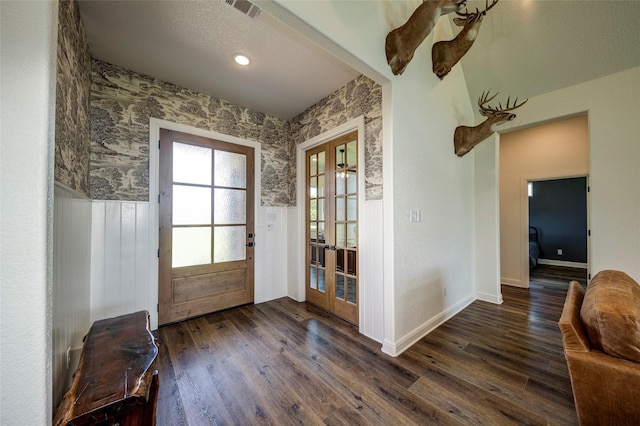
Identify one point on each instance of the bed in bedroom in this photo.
(534, 247)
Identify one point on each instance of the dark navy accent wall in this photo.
(558, 209)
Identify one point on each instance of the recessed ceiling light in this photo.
(241, 59)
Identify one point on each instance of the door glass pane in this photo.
(313, 164)
(231, 169)
(341, 157)
(321, 186)
(321, 232)
(321, 209)
(352, 207)
(351, 262)
(191, 205)
(313, 209)
(340, 183)
(313, 231)
(340, 208)
(351, 234)
(190, 246)
(341, 237)
(229, 243)
(313, 277)
(313, 187)
(339, 286)
(351, 289)
(191, 164)
(321, 162)
(321, 284)
(352, 153)
(352, 182)
(340, 260)
(229, 206)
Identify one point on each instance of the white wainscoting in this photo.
(120, 260)
(71, 283)
(372, 272)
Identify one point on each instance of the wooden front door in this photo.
(332, 226)
(206, 226)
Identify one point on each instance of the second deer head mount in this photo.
(401, 43)
(445, 54)
(465, 137)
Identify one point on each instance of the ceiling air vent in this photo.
(245, 7)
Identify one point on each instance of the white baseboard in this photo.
(512, 282)
(396, 348)
(562, 263)
(491, 298)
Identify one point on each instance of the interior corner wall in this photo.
(551, 150)
(611, 103)
(28, 30)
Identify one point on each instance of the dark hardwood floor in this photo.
(284, 362)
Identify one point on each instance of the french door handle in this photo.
(330, 247)
(250, 244)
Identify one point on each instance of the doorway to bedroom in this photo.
(550, 151)
(558, 228)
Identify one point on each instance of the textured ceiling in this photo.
(524, 48)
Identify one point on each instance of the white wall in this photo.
(613, 105)
(420, 113)
(28, 56)
(71, 283)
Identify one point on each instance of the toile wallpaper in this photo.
(73, 84)
(122, 102)
(361, 96)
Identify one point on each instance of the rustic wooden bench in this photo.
(115, 382)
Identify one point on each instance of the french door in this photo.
(206, 226)
(332, 226)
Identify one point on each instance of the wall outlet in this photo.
(560, 252)
(270, 227)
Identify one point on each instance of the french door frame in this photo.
(154, 212)
(298, 292)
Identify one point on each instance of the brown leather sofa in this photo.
(601, 337)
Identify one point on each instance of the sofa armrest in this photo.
(606, 389)
(574, 337)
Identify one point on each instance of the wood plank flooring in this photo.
(285, 363)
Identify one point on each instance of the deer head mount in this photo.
(445, 54)
(401, 43)
(465, 137)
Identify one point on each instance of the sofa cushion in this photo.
(610, 314)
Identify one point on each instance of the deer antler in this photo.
(486, 9)
(486, 109)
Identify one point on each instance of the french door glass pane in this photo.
(340, 208)
(229, 243)
(321, 209)
(341, 237)
(340, 183)
(352, 182)
(229, 206)
(351, 289)
(351, 234)
(313, 187)
(191, 205)
(313, 164)
(339, 286)
(321, 186)
(231, 169)
(313, 209)
(352, 156)
(313, 277)
(321, 163)
(190, 246)
(191, 164)
(321, 284)
(352, 208)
